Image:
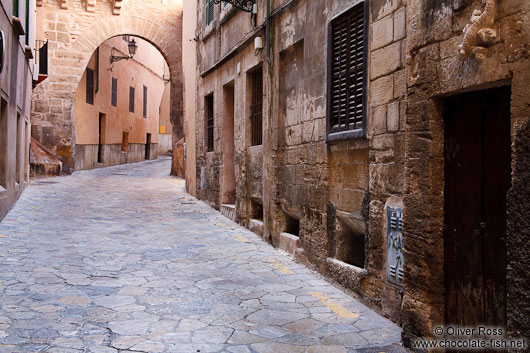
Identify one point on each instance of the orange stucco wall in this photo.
(147, 68)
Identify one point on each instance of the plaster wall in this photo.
(16, 81)
(135, 73)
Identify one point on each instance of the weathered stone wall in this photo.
(433, 70)
(74, 32)
(306, 185)
(15, 105)
(335, 195)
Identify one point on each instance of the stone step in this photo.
(229, 211)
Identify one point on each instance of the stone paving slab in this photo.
(122, 259)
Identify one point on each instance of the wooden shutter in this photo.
(89, 86)
(346, 88)
(209, 11)
(114, 99)
(131, 99)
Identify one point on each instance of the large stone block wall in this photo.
(433, 71)
(328, 186)
(296, 174)
(73, 32)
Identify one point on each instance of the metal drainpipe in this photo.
(268, 33)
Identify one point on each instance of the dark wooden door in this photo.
(100, 137)
(148, 146)
(477, 178)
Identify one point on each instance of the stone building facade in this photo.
(119, 105)
(17, 25)
(73, 30)
(323, 131)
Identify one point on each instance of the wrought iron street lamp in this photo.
(132, 50)
(243, 5)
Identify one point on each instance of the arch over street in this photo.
(73, 34)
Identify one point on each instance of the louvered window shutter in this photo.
(346, 86)
(131, 99)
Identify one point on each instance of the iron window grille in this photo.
(114, 96)
(131, 99)
(256, 107)
(347, 74)
(209, 11)
(209, 122)
(89, 86)
(145, 103)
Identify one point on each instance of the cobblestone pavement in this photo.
(121, 259)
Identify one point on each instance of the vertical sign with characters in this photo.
(394, 245)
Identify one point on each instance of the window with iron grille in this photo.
(256, 107)
(89, 86)
(209, 11)
(145, 102)
(347, 48)
(208, 102)
(131, 99)
(114, 96)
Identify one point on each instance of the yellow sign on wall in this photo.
(162, 129)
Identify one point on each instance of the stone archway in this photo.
(73, 34)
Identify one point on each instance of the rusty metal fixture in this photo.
(243, 5)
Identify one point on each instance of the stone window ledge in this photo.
(346, 135)
(255, 149)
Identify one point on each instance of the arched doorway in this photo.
(73, 34)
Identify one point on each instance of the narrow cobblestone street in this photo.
(121, 259)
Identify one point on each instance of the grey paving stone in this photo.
(121, 259)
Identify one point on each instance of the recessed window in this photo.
(291, 225)
(20, 144)
(131, 99)
(209, 122)
(145, 102)
(3, 144)
(209, 11)
(256, 209)
(256, 107)
(347, 73)
(89, 86)
(15, 8)
(114, 100)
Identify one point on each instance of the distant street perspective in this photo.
(121, 259)
(264, 176)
